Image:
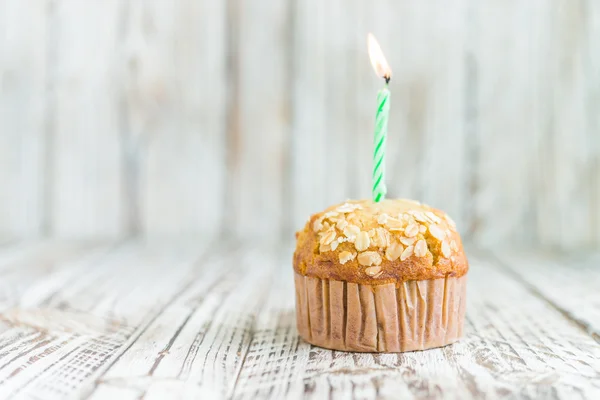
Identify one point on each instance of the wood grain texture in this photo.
(128, 118)
(569, 281)
(183, 351)
(149, 320)
(63, 337)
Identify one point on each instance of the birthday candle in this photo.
(381, 124)
(383, 70)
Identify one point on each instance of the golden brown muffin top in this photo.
(376, 243)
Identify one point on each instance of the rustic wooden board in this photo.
(149, 320)
(198, 344)
(87, 188)
(569, 281)
(65, 320)
(505, 108)
(310, 115)
(23, 113)
(173, 122)
(260, 108)
(566, 180)
(572, 159)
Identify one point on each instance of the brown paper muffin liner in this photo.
(417, 315)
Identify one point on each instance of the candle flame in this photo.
(380, 64)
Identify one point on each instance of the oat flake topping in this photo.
(392, 229)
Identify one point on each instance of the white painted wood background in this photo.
(120, 118)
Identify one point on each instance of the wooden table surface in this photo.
(206, 319)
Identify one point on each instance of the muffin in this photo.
(380, 277)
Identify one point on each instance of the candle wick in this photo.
(387, 79)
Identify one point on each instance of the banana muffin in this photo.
(380, 277)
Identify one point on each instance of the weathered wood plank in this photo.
(516, 346)
(567, 170)
(569, 281)
(507, 104)
(341, 44)
(309, 158)
(23, 264)
(436, 89)
(87, 188)
(81, 322)
(199, 342)
(258, 142)
(592, 62)
(23, 71)
(114, 115)
(100, 311)
(25, 334)
(330, 153)
(172, 115)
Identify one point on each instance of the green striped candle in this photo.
(381, 119)
(381, 124)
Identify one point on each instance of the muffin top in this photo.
(376, 243)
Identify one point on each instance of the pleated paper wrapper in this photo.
(416, 315)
